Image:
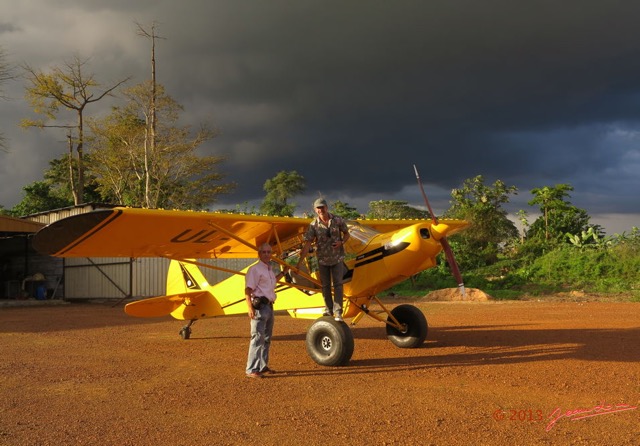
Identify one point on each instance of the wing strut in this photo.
(276, 259)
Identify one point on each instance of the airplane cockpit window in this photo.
(360, 236)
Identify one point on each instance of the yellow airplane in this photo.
(380, 254)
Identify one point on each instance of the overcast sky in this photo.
(351, 94)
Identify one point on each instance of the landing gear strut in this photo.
(185, 332)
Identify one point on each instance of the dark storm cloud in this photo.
(351, 94)
(362, 93)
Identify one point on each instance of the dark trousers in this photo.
(331, 278)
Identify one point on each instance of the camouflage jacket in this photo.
(325, 236)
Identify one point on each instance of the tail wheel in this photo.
(185, 332)
(414, 327)
(329, 342)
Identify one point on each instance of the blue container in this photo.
(41, 292)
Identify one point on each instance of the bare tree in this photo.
(70, 88)
(150, 139)
(6, 74)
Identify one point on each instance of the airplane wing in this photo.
(133, 232)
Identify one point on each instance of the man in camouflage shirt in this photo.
(330, 234)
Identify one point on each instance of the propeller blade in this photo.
(443, 240)
(424, 195)
(452, 264)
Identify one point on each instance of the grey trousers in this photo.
(261, 331)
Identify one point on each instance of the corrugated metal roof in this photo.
(10, 224)
(53, 215)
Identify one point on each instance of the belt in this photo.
(258, 301)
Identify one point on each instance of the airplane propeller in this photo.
(443, 239)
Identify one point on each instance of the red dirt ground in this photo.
(489, 373)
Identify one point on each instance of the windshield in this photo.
(360, 236)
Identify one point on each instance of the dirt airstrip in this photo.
(565, 371)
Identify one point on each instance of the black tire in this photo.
(329, 342)
(415, 327)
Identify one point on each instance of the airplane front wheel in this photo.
(414, 327)
(329, 342)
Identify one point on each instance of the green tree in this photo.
(344, 210)
(492, 230)
(241, 208)
(68, 88)
(170, 174)
(279, 190)
(57, 177)
(39, 197)
(559, 217)
(53, 192)
(394, 209)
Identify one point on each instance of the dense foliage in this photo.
(560, 251)
(392, 209)
(610, 266)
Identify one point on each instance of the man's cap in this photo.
(319, 203)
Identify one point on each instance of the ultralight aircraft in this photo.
(380, 254)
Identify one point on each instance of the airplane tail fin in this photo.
(185, 277)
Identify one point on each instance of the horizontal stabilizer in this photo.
(162, 305)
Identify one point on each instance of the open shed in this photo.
(23, 272)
